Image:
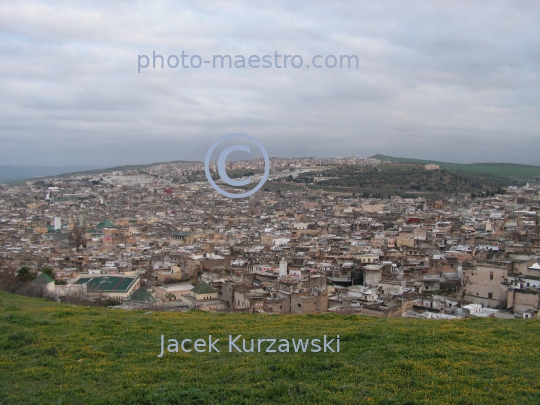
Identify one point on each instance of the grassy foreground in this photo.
(62, 354)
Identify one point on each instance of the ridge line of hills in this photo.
(516, 171)
(513, 170)
(16, 174)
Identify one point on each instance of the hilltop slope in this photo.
(499, 169)
(9, 174)
(56, 353)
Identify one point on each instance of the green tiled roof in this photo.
(141, 295)
(203, 288)
(105, 224)
(43, 279)
(107, 283)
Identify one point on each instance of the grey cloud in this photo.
(444, 80)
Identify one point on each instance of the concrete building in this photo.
(484, 284)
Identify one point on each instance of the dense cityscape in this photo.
(160, 237)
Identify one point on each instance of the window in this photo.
(491, 275)
(490, 296)
(300, 305)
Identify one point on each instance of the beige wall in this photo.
(201, 297)
(303, 304)
(405, 241)
(523, 300)
(478, 283)
(241, 300)
(193, 265)
(161, 292)
(267, 239)
(279, 306)
(372, 207)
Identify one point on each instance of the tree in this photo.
(48, 271)
(24, 274)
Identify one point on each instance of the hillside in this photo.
(9, 174)
(392, 178)
(517, 171)
(121, 168)
(14, 174)
(59, 353)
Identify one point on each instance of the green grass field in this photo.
(63, 354)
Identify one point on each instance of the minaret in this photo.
(283, 267)
(82, 217)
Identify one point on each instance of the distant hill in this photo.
(9, 174)
(512, 170)
(387, 179)
(13, 174)
(123, 168)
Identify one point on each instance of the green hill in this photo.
(59, 353)
(407, 177)
(499, 169)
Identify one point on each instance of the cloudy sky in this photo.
(445, 80)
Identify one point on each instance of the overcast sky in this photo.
(444, 80)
